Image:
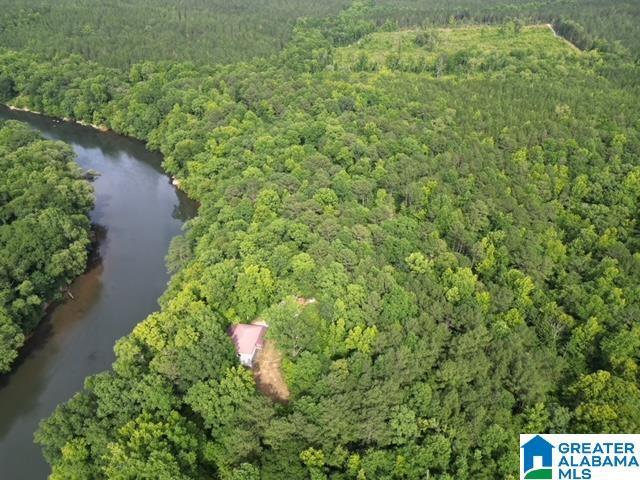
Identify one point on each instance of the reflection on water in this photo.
(137, 212)
(81, 295)
(84, 293)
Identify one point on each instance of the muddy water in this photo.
(137, 213)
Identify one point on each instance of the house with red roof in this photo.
(248, 339)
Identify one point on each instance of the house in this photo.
(248, 339)
(539, 448)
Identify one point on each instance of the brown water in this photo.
(137, 213)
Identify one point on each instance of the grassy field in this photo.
(457, 50)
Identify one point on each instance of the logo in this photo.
(537, 459)
(580, 457)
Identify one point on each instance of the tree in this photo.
(294, 327)
(44, 230)
(146, 447)
(11, 338)
(254, 288)
(605, 403)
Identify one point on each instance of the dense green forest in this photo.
(464, 210)
(44, 230)
(608, 24)
(120, 33)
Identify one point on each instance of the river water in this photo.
(136, 215)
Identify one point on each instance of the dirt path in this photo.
(562, 38)
(268, 373)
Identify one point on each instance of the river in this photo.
(136, 215)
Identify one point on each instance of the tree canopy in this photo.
(44, 229)
(467, 225)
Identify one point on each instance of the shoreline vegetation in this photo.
(101, 128)
(49, 307)
(44, 231)
(464, 212)
(58, 298)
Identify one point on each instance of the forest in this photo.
(121, 33)
(464, 208)
(44, 230)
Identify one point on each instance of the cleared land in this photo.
(456, 50)
(268, 373)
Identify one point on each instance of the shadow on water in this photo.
(109, 143)
(83, 292)
(186, 209)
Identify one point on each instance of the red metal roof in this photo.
(247, 337)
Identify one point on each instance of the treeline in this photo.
(471, 241)
(611, 25)
(576, 34)
(120, 33)
(44, 230)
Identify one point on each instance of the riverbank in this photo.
(96, 235)
(136, 215)
(101, 128)
(176, 182)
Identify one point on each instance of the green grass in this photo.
(457, 50)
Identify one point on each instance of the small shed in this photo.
(248, 339)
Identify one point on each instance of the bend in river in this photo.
(136, 215)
